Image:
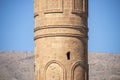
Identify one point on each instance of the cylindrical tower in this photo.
(61, 39)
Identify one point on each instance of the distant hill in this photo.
(104, 66)
(15, 65)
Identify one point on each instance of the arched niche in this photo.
(54, 70)
(78, 71)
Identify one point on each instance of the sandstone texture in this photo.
(61, 39)
(16, 65)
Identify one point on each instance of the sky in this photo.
(17, 24)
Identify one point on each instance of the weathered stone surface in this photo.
(15, 65)
(61, 37)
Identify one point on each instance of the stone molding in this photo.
(60, 35)
(82, 29)
(56, 62)
(62, 26)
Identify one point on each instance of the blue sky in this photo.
(17, 23)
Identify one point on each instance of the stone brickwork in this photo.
(61, 39)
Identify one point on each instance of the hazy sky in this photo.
(17, 23)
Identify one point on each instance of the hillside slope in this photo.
(15, 65)
(104, 66)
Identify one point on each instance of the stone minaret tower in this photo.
(61, 39)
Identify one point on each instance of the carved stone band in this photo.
(62, 26)
(60, 35)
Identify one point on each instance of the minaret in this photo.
(61, 38)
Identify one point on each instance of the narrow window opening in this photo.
(68, 55)
(34, 67)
